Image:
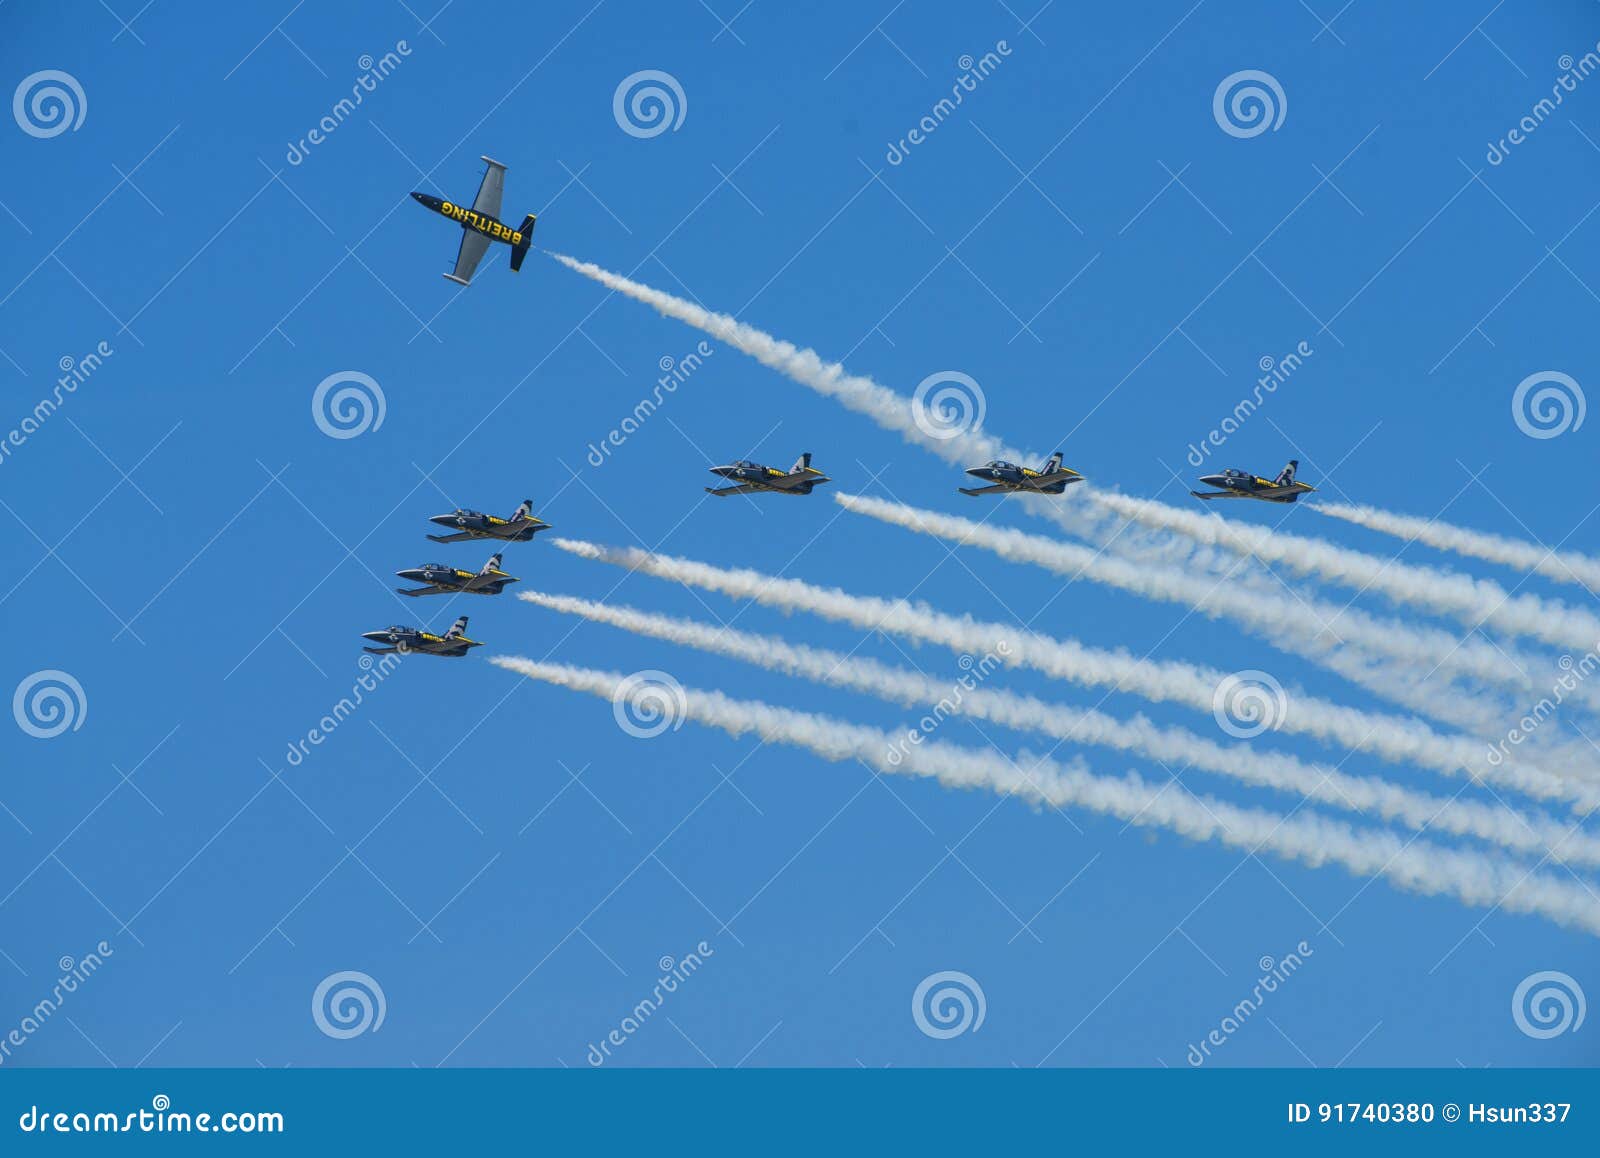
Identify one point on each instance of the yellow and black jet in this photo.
(1050, 479)
(442, 579)
(481, 224)
(519, 528)
(1238, 484)
(413, 640)
(749, 477)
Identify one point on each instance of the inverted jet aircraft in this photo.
(413, 639)
(519, 528)
(1238, 484)
(442, 580)
(1050, 479)
(481, 224)
(749, 477)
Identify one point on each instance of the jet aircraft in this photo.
(481, 224)
(442, 580)
(407, 640)
(1238, 484)
(519, 528)
(749, 477)
(1050, 479)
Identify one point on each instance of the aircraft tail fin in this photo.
(525, 511)
(492, 565)
(458, 629)
(1286, 475)
(802, 463)
(1053, 465)
(518, 252)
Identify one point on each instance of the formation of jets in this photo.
(480, 227)
(443, 579)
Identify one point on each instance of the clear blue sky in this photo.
(246, 551)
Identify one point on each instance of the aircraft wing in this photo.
(458, 537)
(1219, 494)
(1282, 492)
(473, 246)
(431, 589)
(381, 650)
(1060, 476)
(741, 489)
(494, 183)
(790, 481)
(989, 490)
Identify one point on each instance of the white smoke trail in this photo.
(1474, 602)
(1410, 864)
(1562, 566)
(1392, 738)
(1296, 625)
(1535, 834)
(888, 409)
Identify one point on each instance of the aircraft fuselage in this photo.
(468, 218)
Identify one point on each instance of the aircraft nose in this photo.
(414, 574)
(443, 520)
(376, 636)
(978, 471)
(421, 197)
(1211, 480)
(723, 471)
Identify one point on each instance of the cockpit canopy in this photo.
(470, 514)
(436, 567)
(1001, 464)
(745, 464)
(398, 629)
